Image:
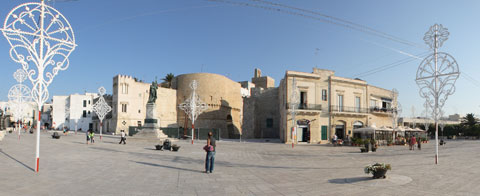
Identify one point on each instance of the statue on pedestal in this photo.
(153, 92)
(151, 127)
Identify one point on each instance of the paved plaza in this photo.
(70, 167)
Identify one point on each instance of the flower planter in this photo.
(379, 173)
(175, 148)
(158, 147)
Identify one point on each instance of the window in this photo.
(84, 113)
(139, 123)
(386, 103)
(269, 122)
(84, 103)
(303, 100)
(373, 103)
(124, 107)
(340, 103)
(324, 95)
(139, 111)
(124, 88)
(324, 132)
(88, 102)
(357, 104)
(88, 112)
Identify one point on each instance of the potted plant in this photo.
(363, 149)
(359, 142)
(389, 142)
(175, 147)
(378, 170)
(158, 147)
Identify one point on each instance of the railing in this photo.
(336, 108)
(304, 106)
(382, 110)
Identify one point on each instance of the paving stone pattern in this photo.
(70, 167)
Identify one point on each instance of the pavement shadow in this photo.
(349, 180)
(154, 149)
(16, 160)
(166, 166)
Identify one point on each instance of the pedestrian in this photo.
(335, 138)
(88, 136)
(409, 141)
(92, 135)
(210, 159)
(419, 144)
(413, 141)
(122, 137)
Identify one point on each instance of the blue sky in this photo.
(148, 38)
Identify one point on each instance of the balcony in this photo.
(304, 106)
(382, 110)
(336, 108)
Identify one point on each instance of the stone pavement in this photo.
(70, 167)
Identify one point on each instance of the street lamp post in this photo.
(293, 111)
(396, 111)
(41, 40)
(436, 75)
(102, 108)
(193, 106)
(19, 95)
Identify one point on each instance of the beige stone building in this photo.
(224, 100)
(222, 95)
(328, 105)
(129, 103)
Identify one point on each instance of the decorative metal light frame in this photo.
(193, 106)
(294, 101)
(19, 95)
(436, 75)
(41, 40)
(441, 122)
(101, 108)
(426, 122)
(396, 108)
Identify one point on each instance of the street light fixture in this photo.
(101, 108)
(41, 40)
(436, 75)
(193, 106)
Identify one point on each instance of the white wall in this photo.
(75, 103)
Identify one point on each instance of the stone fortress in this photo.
(327, 105)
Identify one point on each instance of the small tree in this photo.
(168, 80)
(469, 120)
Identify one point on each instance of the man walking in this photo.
(122, 137)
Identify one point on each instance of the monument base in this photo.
(150, 128)
(150, 133)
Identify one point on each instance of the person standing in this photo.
(413, 141)
(122, 137)
(419, 144)
(210, 159)
(88, 136)
(92, 135)
(335, 138)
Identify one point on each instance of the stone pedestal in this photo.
(151, 128)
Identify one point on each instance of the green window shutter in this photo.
(324, 132)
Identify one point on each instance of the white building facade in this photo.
(73, 111)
